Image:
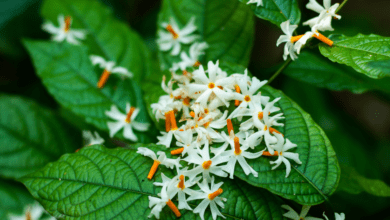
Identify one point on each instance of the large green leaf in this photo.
(317, 177)
(316, 70)
(277, 11)
(352, 182)
(14, 197)
(101, 183)
(358, 51)
(227, 27)
(30, 137)
(69, 76)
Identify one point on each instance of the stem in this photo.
(279, 70)
(342, 4)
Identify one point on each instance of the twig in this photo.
(279, 70)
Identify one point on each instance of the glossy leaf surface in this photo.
(358, 51)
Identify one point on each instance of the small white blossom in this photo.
(162, 158)
(31, 212)
(238, 153)
(298, 45)
(210, 196)
(109, 66)
(246, 97)
(176, 36)
(92, 139)
(215, 84)
(288, 31)
(282, 147)
(323, 22)
(206, 166)
(64, 32)
(258, 2)
(159, 203)
(126, 122)
(337, 216)
(196, 50)
(291, 214)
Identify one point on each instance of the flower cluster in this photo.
(213, 121)
(322, 22)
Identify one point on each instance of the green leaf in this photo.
(383, 66)
(106, 183)
(277, 11)
(68, 74)
(317, 177)
(14, 197)
(227, 27)
(316, 70)
(30, 137)
(352, 182)
(358, 51)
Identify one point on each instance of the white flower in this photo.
(261, 120)
(64, 32)
(302, 41)
(164, 105)
(258, 2)
(192, 60)
(281, 149)
(170, 128)
(186, 141)
(159, 203)
(337, 216)
(126, 122)
(205, 164)
(238, 153)
(92, 139)
(175, 37)
(247, 94)
(323, 22)
(178, 185)
(288, 31)
(215, 84)
(109, 66)
(210, 196)
(162, 159)
(31, 212)
(294, 215)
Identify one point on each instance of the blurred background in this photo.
(358, 125)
